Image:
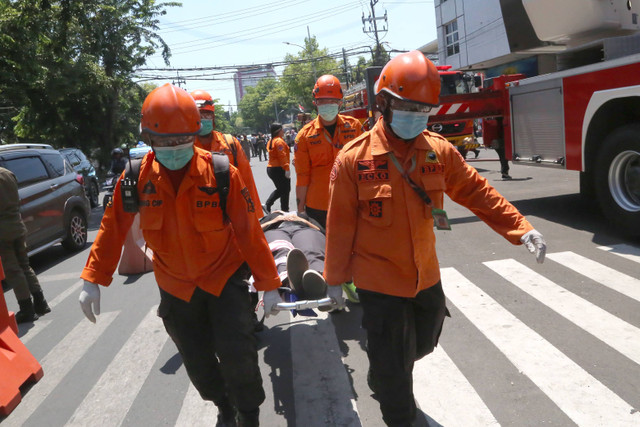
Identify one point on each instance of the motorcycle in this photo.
(107, 187)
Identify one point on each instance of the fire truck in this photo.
(585, 117)
(356, 99)
(459, 132)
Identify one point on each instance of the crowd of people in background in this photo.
(255, 144)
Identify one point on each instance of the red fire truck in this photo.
(459, 132)
(584, 118)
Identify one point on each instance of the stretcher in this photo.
(297, 307)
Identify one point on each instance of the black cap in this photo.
(275, 128)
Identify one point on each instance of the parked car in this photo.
(53, 203)
(83, 166)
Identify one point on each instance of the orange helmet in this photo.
(411, 77)
(203, 99)
(327, 86)
(170, 110)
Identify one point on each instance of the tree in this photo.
(298, 77)
(66, 78)
(262, 103)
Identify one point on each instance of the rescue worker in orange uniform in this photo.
(200, 256)
(317, 145)
(212, 140)
(374, 198)
(278, 168)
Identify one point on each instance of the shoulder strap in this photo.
(221, 172)
(132, 169)
(232, 146)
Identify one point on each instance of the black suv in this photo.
(83, 166)
(53, 203)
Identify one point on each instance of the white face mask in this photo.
(175, 157)
(408, 124)
(328, 112)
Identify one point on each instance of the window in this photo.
(73, 159)
(451, 38)
(28, 170)
(55, 162)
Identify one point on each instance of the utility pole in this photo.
(313, 61)
(346, 70)
(178, 80)
(372, 22)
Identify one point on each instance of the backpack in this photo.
(129, 182)
(234, 150)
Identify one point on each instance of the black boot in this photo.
(248, 419)
(226, 416)
(40, 304)
(26, 312)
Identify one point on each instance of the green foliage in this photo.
(65, 70)
(298, 78)
(261, 103)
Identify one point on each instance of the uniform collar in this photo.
(380, 140)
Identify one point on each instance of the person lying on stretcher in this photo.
(297, 243)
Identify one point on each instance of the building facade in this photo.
(493, 36)
(249, 77)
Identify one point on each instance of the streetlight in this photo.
(313, 62)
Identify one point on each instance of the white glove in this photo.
(270, 300)
(90, 295)
(535, 243)
(335, 293)
(287, 174)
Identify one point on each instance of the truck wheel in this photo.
(76, 237)
(618, 178)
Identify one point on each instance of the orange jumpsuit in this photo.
(192, 244)
(278, 153)
(314, 154)
(220, 143)
(380, 232)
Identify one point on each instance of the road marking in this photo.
(109, 400)
(40, 324)
(321, 388)
(584, 399)
(57, 364)
(195, 411)
(613, 331)
(626, 251)
(602, 274)
(44, 278)
(445, 394)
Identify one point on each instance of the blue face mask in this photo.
(328, 111)
(207, 127)
(408, 124)
(176, 157)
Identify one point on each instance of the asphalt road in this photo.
(555, 344)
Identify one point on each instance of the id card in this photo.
(440, 219)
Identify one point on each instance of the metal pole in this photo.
(346, 71)
(313, 62)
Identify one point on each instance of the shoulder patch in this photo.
(334, 170)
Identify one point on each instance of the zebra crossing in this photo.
(324, 368)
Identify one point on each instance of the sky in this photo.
(218, 33)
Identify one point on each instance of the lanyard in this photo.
(439, 216)
(405, 174)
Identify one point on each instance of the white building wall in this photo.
(481, 32)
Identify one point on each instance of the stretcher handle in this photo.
(304, 304)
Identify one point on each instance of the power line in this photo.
(257, 32)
